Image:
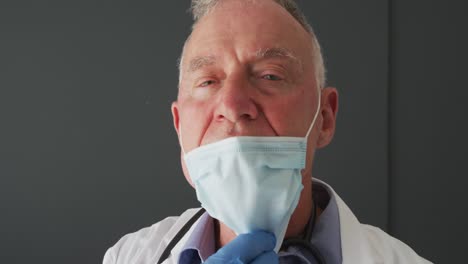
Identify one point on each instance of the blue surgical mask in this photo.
(250, 183)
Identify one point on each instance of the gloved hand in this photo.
(255, 248)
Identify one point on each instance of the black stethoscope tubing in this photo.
(179, 235)
(304, 241)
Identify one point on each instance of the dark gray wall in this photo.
(88, 152)
(429, 127)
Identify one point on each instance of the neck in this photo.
(297, 222)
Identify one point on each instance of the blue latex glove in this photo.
(256, 248)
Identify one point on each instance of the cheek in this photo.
(194, 118)
(288, 116)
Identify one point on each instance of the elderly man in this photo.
(252, 109)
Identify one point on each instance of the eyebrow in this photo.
(283, 53)
(200, 62)
(268, 53)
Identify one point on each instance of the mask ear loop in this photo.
(319, 93)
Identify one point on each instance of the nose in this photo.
(235, 102)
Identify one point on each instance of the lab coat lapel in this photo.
(355, 247)
(175, 252)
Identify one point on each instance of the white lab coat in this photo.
(360, 243)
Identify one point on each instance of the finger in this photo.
(247, 247)
(269, 257)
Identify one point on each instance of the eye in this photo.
(271, 77)
(206, 83)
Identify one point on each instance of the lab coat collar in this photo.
(355, 246)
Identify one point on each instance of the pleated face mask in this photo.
(250, 183)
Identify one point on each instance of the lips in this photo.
(214, 134)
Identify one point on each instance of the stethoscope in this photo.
(303, 240)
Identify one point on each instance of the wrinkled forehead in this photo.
(247, 27)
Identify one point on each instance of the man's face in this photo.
(247, 71)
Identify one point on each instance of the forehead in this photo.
(245, 28)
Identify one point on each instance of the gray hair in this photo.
(200, 8)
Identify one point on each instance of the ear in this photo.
(175, 116)
(329, 111)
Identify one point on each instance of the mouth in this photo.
(217, 131)
(234, 132)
